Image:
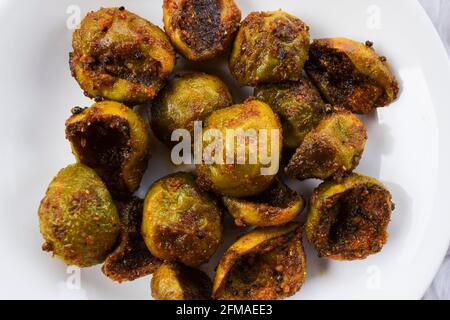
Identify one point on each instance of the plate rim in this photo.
(443, 149)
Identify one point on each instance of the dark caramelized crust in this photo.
(270, 269)
(131, 259)
(113, 62)
(113, 140)
(350, 223)
(200, 24)
(105, 147)
(201, 29)
(351, 74)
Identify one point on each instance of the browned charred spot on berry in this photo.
(200, 234)
(76, 110)
(328, 109)
(47, 246)
(200, 24)
(138, 55)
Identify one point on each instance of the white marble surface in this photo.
(439, 12)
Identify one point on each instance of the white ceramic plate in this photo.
(407, 149)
